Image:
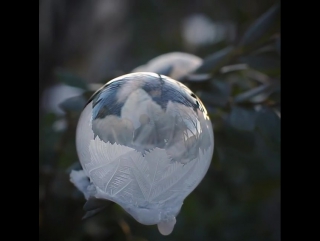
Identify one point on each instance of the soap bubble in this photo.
(145, 142)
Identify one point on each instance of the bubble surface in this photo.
(145, 142)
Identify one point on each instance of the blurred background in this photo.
(83, 44)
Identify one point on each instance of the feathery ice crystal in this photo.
(145, 142)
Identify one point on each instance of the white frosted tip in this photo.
(165, 228)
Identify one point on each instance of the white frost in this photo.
(165, 228)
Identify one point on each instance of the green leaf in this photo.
(214, 61)
(75, 104)
(242, 119)
(259, 28)
(70, 79)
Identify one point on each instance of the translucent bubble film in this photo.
(144, 142)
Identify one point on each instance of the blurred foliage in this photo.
(239, 198)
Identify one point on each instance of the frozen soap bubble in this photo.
(145, 142)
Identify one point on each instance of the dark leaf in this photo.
(92, 213)
(218, 94)
(276, 95)
(241, 141)
(242, 119)
(258, 76)
(259, 28)
(70, 79)
(278, 45)
(268, 124)
(76, 104)
(268, 153)
(248, 95)
(95, 203)
(214, 61)
(234, 67)
(262, 62)
(216, 159)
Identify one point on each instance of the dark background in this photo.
(82, 43)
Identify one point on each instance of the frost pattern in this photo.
(145, 181)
